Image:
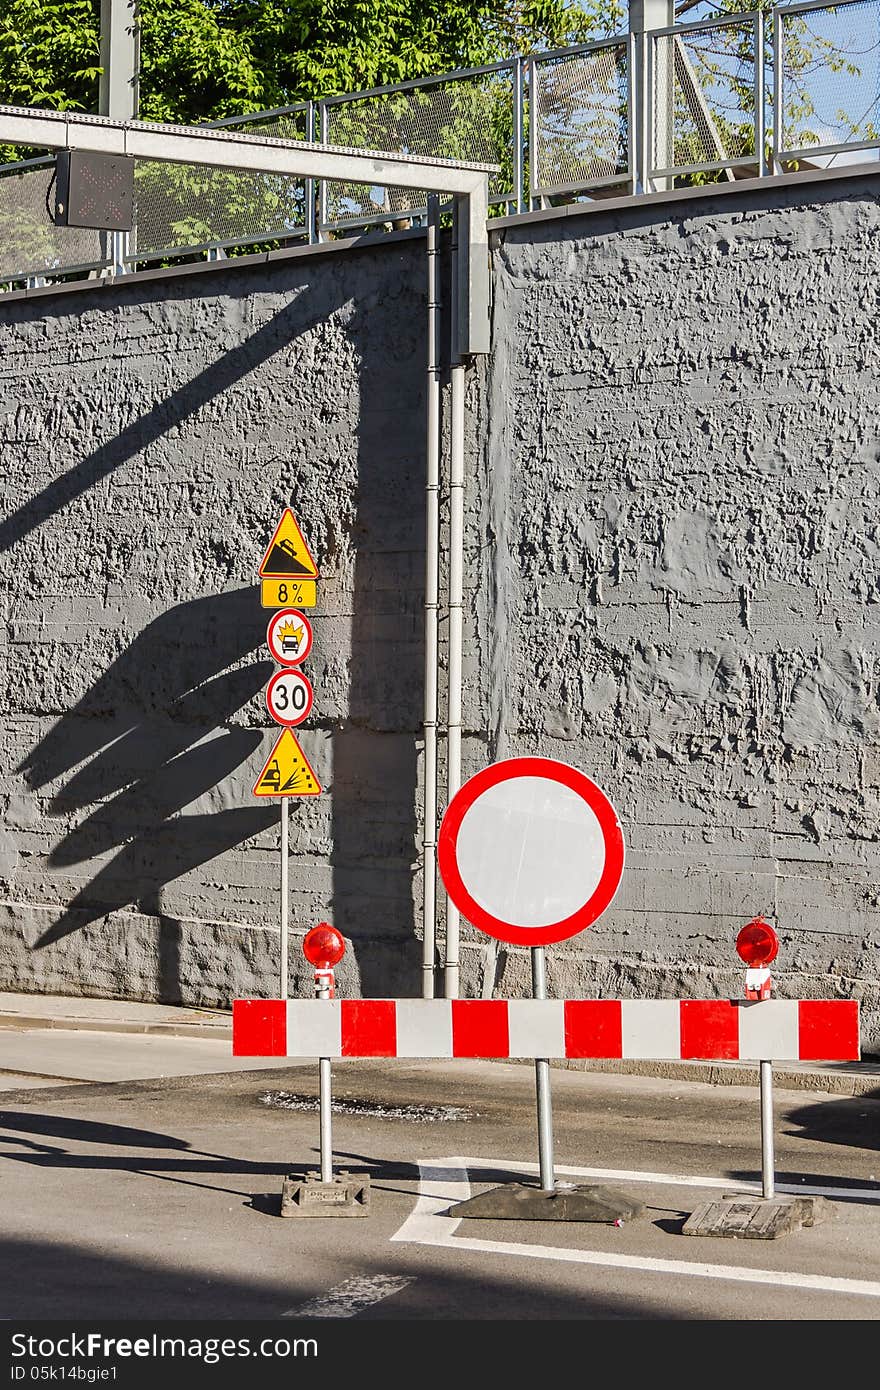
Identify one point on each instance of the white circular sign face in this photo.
(531, 851)
(289, 698)
(289, 637)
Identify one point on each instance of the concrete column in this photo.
(651, 147)
(120, 59)
(118, 94)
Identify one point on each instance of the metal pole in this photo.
(285, 837)
(323, 990)
(518, 104)
(310, 183)
(323, 132)
(633, 99)
(534, 117)
(326, 1134)
(767, 1175)
(759, 95)
(456, 606)
(778, 69)
(432, 596)
(542, 1083)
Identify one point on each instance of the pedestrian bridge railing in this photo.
(740, 96)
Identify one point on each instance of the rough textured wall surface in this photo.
(672, 580)
(676, 575)
(152, 433)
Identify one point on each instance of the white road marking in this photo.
(446, 1180)
(350, 1298)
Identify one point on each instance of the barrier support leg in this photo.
(743, 1216)
(307, 1194)
(326, 1132)
(551, 1201)
(768, 1177)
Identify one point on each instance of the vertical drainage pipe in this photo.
(432, 591)
(456, 608)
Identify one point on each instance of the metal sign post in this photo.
(289, 694)
(542, 1083)
(285, 891)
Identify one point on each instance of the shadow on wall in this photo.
(140, 728)
(375, 854)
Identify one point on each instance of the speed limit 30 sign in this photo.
(289, 698)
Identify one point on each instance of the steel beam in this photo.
(228, 148)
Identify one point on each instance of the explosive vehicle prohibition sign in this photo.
(530, 851)
(289, 637)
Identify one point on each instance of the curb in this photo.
(108, 1025)
(848, 1081)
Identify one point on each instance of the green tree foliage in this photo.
(205, 59)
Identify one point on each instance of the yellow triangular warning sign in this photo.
(287, 771)
(287, 555)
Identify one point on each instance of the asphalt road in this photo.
(156, 1194)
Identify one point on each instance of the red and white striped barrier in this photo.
(671, 1029)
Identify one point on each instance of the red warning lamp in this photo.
(323, 946)
(757, 943)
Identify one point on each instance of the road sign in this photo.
(279, 593)
(530, 851)
(289, 697)
(289, 637)
(287, 771)
(287, 555)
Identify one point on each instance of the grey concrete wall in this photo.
(152, 434)
(672, 570)
(680, 493)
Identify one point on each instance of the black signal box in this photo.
(94, 190)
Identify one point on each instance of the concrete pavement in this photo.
(72, 1013)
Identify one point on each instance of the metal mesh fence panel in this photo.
(828, 76)
(703, 97)
(579, 106)
(187, 207)
(468, 117)
(30, 243)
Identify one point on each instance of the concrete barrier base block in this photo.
(756, 1218)
(521, 1202)
(347, 1194)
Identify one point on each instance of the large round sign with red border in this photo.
(289, 637)
(289, 697)
(530, 851)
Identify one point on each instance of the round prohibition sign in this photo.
(530, 851)
(289, 698)
(289, 637)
